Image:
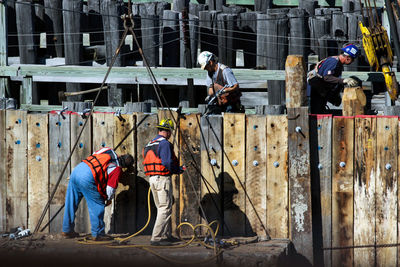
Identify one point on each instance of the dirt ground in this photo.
(54, 250)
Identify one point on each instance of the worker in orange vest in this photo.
(160, 163)
(96, 179)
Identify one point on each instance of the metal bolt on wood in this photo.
(276, 164)
(255, 163)
(235, 162)
(213, 162)
(388, 166)
(342, 164)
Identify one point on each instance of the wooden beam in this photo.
(3, 180)
(300, 182)
(296, 85)
(26, 91)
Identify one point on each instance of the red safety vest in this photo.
(152, 162)
(98, 163)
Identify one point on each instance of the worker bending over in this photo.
(96, 179)
(160, 163)
(223, 89)
(325, 79)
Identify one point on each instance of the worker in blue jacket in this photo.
(325, 82)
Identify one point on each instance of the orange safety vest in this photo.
(152, 162)
(98, 163)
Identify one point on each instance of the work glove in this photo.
(350, 82)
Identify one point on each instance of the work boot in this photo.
(102, 238)
(163, 242)
(70, 234)
(173, 239)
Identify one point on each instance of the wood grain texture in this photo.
(364, 189)
(38, 168)
(82, 151)
(212, 170)
(354, 101)
(386, 189)
(256, 174)
(295, 79)
(321, 149)
(3, 177)
(191, 179)
(277, 176)
(59, 150)
(16, 166)
(342, 189)
(300, 182)
(173, 115)
(234, 183)
(125, 195)
(103, 136)
(145, 132)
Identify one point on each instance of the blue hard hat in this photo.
(351, 50)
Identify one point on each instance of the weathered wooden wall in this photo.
(256, 174)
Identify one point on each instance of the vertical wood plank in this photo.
(277, 177)
(321, 149)
(386, 189)
(191, 178)
(256, 174)
(103, 131)
(364, 189)
(173, 115)
(125, 195)
(300, 182)
(145, 132)
(59, 150)
(342, 190)
(3, 179)
(82, 151)
(16, 160)
(212, 169)
(38, 168)
(234, 171)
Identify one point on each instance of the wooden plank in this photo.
(256, 174)
(321, 150)
(103, 136)
(364, 189)
(212, 170)
(342, 190)
(277, 176)
(3, 178)
(125, 196)
(174, 139)
(300, 182)
(82, 151)
(38, 168)
(16, 160)
(386, 189)
(59, 150)
(234, 147)
(145, 132)
(190, 180)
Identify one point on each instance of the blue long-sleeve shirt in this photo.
(167, 155)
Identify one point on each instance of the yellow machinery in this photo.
(379, 53)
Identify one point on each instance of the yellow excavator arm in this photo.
(380, 56)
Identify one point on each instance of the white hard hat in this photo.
(204, 57)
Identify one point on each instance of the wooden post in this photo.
(319, 26)
(26, 91)
(54, 27)
(342, 190)
(3, 180)
(262, 5)
(137, 107)
(296, 84)
(3, 47)
(171, 35)
(112, 25)
(364, 189)
(73, 42)
(25, 26)
(300, 182)
(299, 41)
(353, 101)
(208, 36)
(38, 167)
(150, 33)
(248, 27)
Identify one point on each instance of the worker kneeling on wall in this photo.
(160, 163)
(95, 178)
(325, 80)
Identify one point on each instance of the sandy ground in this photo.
(54, 250)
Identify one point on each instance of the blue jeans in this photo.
(82, 184)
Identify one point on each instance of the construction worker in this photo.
(223, 89)
(325, 82)
(160, 163)
(96, 179)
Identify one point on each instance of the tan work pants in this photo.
(161, 187)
